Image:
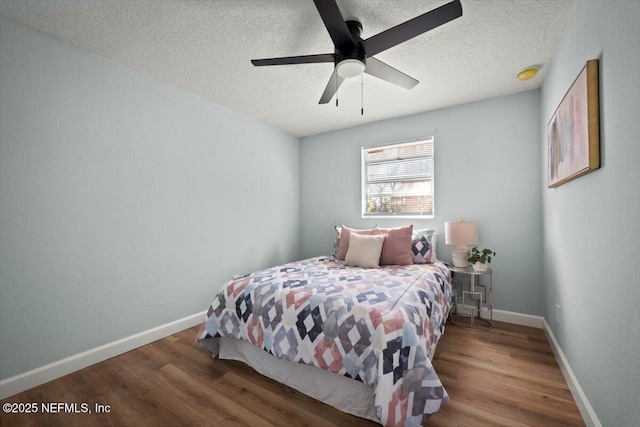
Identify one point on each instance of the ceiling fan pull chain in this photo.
(362, 94)
(337, 87)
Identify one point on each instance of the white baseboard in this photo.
(512, 317)
(586, 410)
(518, 318)
(19, 383)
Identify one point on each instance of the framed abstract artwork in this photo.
(574, 130)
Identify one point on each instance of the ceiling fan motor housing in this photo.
(351, 60)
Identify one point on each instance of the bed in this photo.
(372, 333)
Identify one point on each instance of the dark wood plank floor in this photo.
(507, 376)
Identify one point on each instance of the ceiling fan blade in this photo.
(412, 28)
(288, 60)
(332, 87)
(336, 26)
(387, 73)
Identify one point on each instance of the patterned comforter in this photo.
(379, 326)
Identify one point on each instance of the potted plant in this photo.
(479, 259)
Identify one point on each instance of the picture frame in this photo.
(574, 130)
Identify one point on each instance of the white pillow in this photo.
(364, 250)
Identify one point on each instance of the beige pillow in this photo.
(345, 232)
(364, 251)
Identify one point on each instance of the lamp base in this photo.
(459, 257)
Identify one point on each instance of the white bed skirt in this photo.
(347, 395)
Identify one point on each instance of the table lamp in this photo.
(461, 234)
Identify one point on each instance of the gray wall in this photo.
(592, 224)
(125, 203)
(487, 159)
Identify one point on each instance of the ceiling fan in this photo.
(352, 55)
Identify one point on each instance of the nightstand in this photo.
(472, 297)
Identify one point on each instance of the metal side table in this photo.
(472, 298)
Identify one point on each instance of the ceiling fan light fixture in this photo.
(350, 68)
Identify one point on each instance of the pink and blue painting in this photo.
(574, 146)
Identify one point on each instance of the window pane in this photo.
(404, 151)
(403, 169)
(398, 180)
(399, 188)
(405, 205)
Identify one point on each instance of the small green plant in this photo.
(484, 257)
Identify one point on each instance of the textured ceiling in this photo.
(205, 47)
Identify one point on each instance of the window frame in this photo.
(364, 182)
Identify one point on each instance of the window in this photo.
(397, 180)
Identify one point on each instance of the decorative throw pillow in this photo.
(343, 246)
(423, 246)
(364, 250)
(396, 249)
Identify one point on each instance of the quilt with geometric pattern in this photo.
(379, 326)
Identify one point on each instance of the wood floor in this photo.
(507, 376)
